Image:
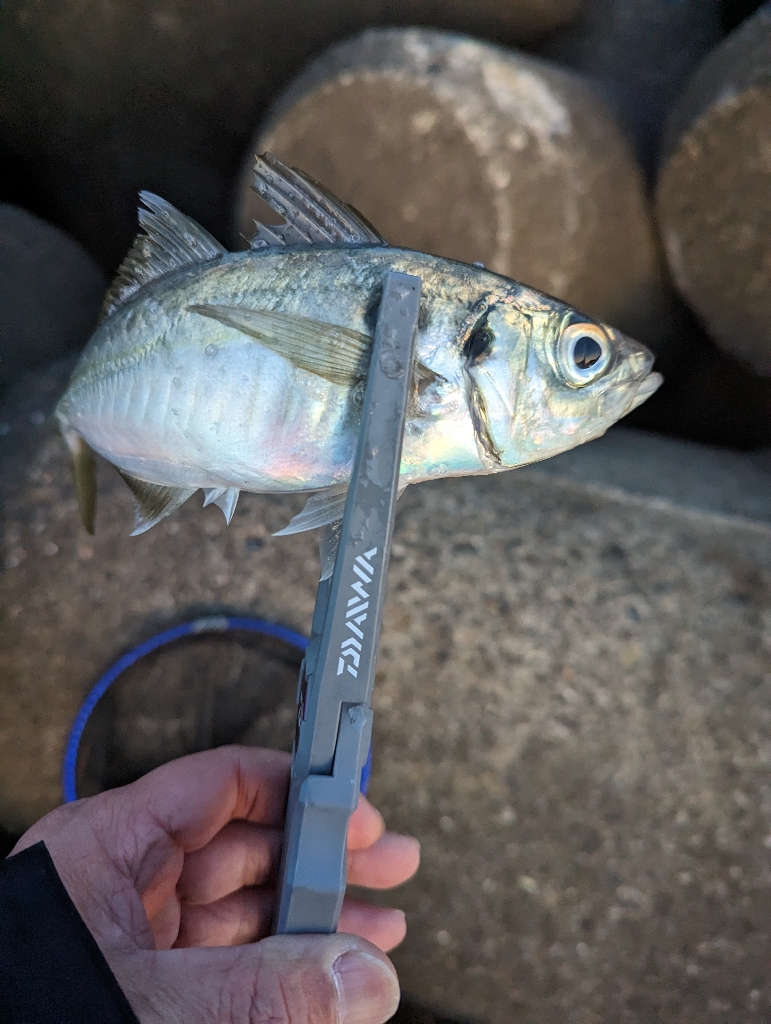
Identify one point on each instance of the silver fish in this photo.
(245, 371)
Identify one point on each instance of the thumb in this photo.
(287, 979)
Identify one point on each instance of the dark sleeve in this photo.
(51, 969)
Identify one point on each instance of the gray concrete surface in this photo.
(572, 706)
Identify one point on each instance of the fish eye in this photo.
(584, 353)
(479, 341)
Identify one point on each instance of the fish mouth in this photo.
(647, 386)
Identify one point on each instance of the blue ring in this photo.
(207, 624)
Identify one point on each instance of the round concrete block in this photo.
(466, 150)
(714, 193)
(102, 98)
(50, 293)
(640, 53)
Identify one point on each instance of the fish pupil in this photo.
(587, 352)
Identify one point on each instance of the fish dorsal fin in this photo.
(153, 502)
(168, 240)
(313, 215)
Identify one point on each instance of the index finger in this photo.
(192, 798)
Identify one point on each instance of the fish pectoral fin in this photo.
(224, 497)
(153, 502)
(338, 354)
(167, 241)
(321, 509)
(84, 474)
(312, 215)
(335, 353)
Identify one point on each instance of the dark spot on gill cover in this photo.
(479, 341)
(372, 308)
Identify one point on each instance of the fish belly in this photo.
(217, 412)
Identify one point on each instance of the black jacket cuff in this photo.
(51, 969)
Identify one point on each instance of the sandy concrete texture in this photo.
(572, 705)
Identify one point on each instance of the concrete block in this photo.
(714, 192)
(572, 705)
(470, 151)
(50, 293)
(102, 98)
(641, 54)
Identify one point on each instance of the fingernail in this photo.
(367, 989)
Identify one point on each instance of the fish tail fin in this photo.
(84, 474)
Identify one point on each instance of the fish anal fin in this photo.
(167, 241)
(224, 497)
(153, 502)
(313, 215)
(321, 509)
(329, 542)
(84, 475)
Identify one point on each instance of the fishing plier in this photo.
(334, 717)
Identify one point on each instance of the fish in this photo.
(245, 371)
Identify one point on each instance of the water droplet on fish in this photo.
(211, 350)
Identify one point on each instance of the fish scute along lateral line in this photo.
(356, 615)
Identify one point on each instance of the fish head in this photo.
(543, 378)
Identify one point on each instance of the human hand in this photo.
(185, 859)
